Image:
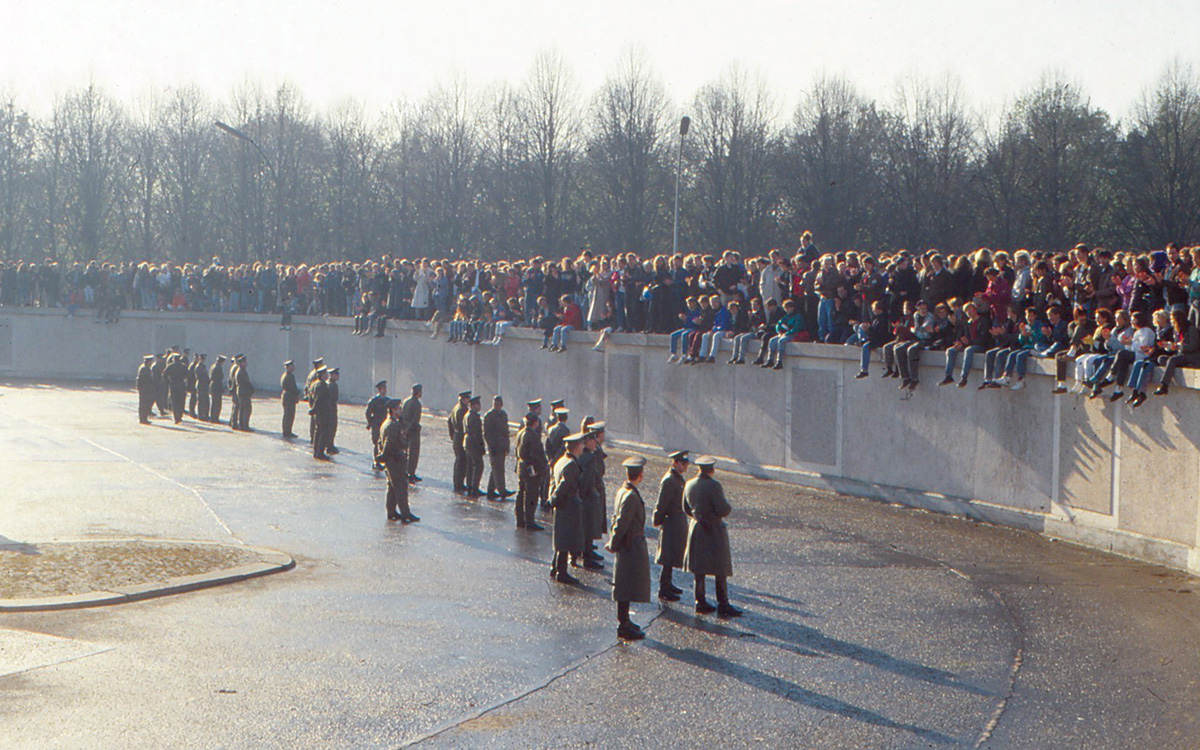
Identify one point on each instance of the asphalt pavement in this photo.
(867, 625)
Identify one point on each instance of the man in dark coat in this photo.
(191, 385)
(216, 389)
(392, 452)
(309, 382)
(591, 490)
(289, 396)
(627, 542)
(335, 395)
(160, 384)
(531, 467)
(708, 551)
(145, 389)
(454, 422)
(320, 411)
(412, 421)
(672, 523)
(473, 447)
(555, 432)
(568, 508)
(176, 375)
(245, 392)
(377, 414)
(495, 436)
(203, 404)
(235, 404)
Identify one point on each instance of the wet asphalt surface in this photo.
(866, 626)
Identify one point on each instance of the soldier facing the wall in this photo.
(473, 446)
(627, 542)
(244, 394)
(411, 412)
(531, 468)
(216, 389)
(708, 552)
(145, 389)
(203, 402)
(495, 435)
(289, 396)
(377, 414)
(335, 374)
(319, 411)
(454, 423)
(672, 523)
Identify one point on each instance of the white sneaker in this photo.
(1018, 385)
(670, 359)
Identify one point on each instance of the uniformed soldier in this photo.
(289, 396)
(568, 508)
(203, 405)
(672, 523)
(412, 421)
(473, 446)
(627, 542)
(319, 410)
(531, 468)
(216, 389)
(244, 394)
(555, 433)
(191, 385)
(534, 407)
(334, 397)
(235, 418)
(309, 382)
(708, 552)
(377, 414)
(596, 525)
(495, 436)
(590, 465)
(176, 375)
(558, 403)
(455, 424)
(392, 452)
(145, 389)
(160, 383)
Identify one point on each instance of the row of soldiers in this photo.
(174, 384)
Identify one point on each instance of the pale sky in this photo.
(377, 51)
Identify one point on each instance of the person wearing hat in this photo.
(455, 423)
(145, 389)
(191, 385)
(412, 421)
(473, 446)
(289, 396)
(568, 508)
(591, 490)
(535, 407)
(319, 410)
(216, 389)
(531, 468)
(235, 414)
(672, 523)
(335, 374)
(377, 414)
(309, 382)
(160, 384)
(495, 435)
(176, 375)
(200, 375)
(707, 552)
(555, 434)
(243, 393)
(392, 452)
(627, 542)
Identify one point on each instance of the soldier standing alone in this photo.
(708, 552)
(627, 542)
(289, 396)
(377, 414)
(672, 523)
(495, 434)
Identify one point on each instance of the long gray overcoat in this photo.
(631, 569)
(708, 551)
(568, 508)
(671, 521)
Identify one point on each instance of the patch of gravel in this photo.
(65, 568)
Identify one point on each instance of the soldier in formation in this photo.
(672, 525)
(321, 411)
(411, 412)
(335, 374)
(531, 470)
(289, 396)
(568, 508)
(216, 389)
(627, 542)
(145, 389)
(393, 454)
(200, 376)
(455, 422)
(176, 376)
(377, 414)
(242, 391)
(496, 437)
(707, 552)
(473, 446)
(555, 434)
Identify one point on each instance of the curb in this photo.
(273, 562)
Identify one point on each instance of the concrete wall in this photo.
(1086, 471)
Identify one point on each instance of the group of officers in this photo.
(558, 469)
(176, 383)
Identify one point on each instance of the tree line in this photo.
(535, 167)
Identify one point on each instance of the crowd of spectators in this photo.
(1118, 316)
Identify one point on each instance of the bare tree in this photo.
(552, 128)
(17, 151)
(93, 126)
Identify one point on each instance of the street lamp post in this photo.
(684, 124)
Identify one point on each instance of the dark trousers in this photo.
(529, 488)
(202, 406)
(214, 409)
(664, 579)
(397, 486)
(1176, 361)
(289, 417)
(235, 414)
(332, 431)
(145, 406)
(474, 470)
(722, 589)
(177, 403)
(312, 429)
(414, 452)
(320, 433)
(496, 475)
(558, 564)
(192, 402)
(460, 466)
(375, 443)
(244, 409)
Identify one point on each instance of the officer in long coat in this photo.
(160, 384)
(309, 382)
(707, 552)
(235, 405)
(495, 436)
(555, 432)
(627, 542)
(454, 423)
(335, 395)
(203, 404)
(216, 389)
(411, 411)
(319, 410)
(191, 386)
(176, 375)
(244, 394)
(289, 396)
(672, 524)
(377, 414)
(568, 508)
(473, 446)
(531, 468)
(392, 452)
(591, 492)
(145, 389)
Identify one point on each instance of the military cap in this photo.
(464, 394)
(706, 461)
(415, 386)
(558, 402)
(202, 355)
(289, 363)
(531, 417)
(186, 350)
(238, 356)
(318, 361)
(678, 456)
(497, 397)
(336, 369)
(394, 403)
(148, 358)
(221, 358)
(587, 422)
(561, 413)
(381, 384)
(634, 462)
(597, 427)
(475, 399)
(322, 369)
(574, 437)
(537, 402)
